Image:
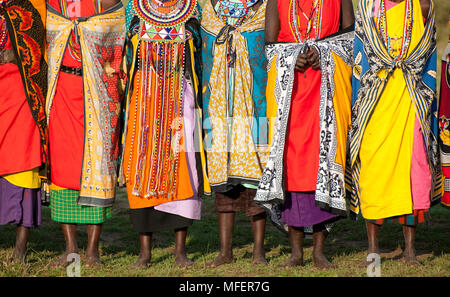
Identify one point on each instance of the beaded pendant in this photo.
(163, 21)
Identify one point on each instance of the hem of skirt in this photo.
(324, 222)
(69, 221)
(150, 230)
(21, 224)
(395, 220)
(233, 182)
(184, 223)
(251, 214)
(335, 211)
(444, 205)
(95, 202)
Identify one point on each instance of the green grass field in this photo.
(346, 247)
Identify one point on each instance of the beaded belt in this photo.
(7, 56)
(72, 70)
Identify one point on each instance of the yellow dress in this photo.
(387, 144)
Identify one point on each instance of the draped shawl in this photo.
(26, 27)
(235, 111)
(102, 39)
(330, 187)
(419, 70)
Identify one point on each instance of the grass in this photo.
(346, 247)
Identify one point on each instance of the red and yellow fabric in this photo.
(22, 116)
(91, 103)
(66, 125)
(316, 151)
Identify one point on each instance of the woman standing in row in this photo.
(310, 79)
(163, 160)
(235, 115)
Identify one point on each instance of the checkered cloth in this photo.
(64, 209)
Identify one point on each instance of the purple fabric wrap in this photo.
(19, 206)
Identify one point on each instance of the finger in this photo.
(299, 69)
(301, 62)
(302, 56)
(313, 55)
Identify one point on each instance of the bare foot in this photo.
(321, 262)
(259, 257)
(292, 262)
(142, 261)
(62, 261)
(19, 255)
(220, 260)
(183, 261)
(409, 257)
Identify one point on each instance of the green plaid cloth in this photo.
(64, 209)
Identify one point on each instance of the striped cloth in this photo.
(64, 209)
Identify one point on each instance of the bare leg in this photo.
(409, 254)
(70, 236)
(226, 224)
(145, 255)
(92, 253)
(20, 249)
(296, 237)
(259, 229)
(319, 236)
(180, 248)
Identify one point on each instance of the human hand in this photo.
(302, 62)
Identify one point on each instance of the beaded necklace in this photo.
(74, 47)
(314, 20)
(161, 54)
(234, 11)
(396, 52)
(163, 21)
